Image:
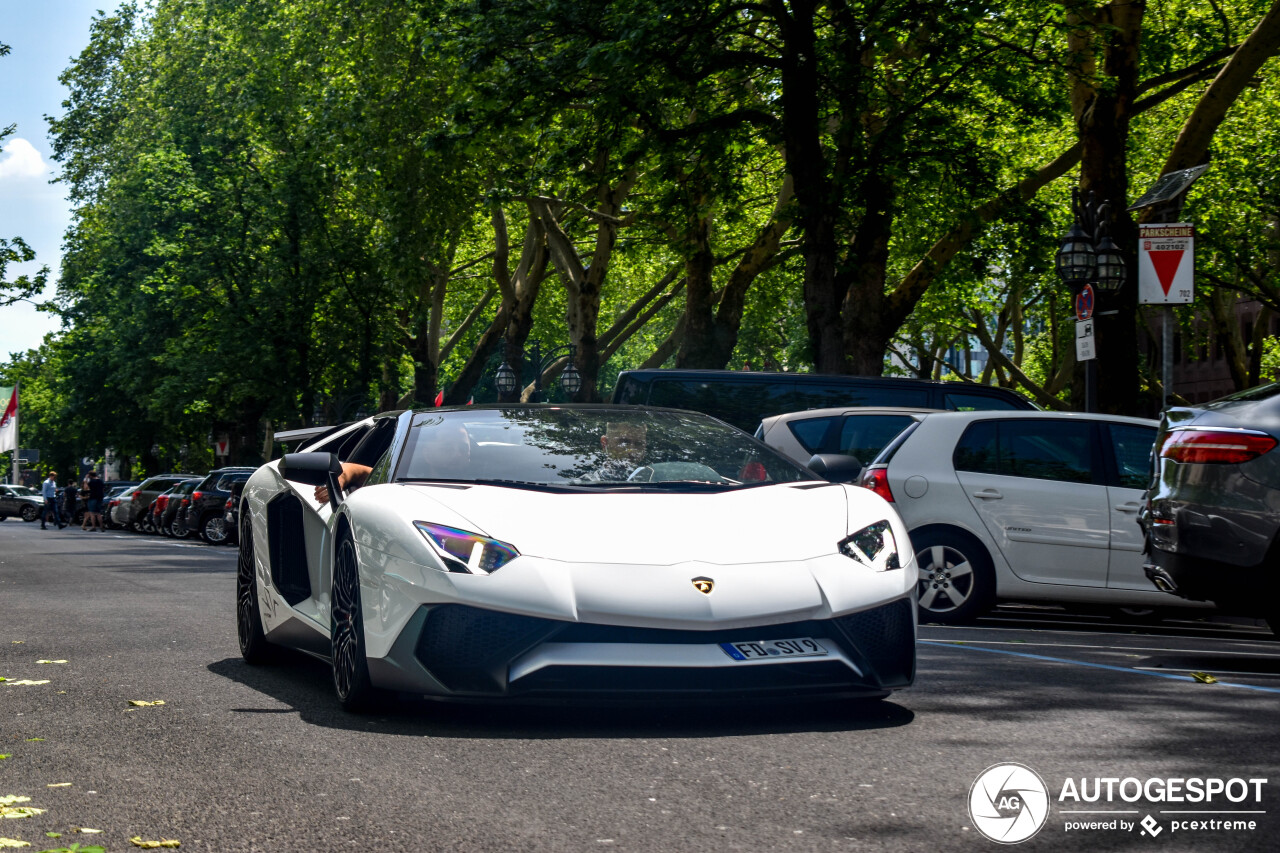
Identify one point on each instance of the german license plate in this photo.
(801, 647)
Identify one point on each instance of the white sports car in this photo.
(542, 552)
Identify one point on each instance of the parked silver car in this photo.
(20, 502)
(1027, 506)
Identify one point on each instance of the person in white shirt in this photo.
(49, 489)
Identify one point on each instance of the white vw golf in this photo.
(529, 552)
(1030, 506)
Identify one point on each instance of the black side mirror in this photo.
(835, 467)
(314, 469)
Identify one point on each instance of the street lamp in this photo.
(1089, 257)
(570, 378)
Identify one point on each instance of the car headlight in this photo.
(466, 552)
(874, 546)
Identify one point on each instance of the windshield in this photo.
(23, 491)
(588, 447)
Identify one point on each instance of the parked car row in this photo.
(177, 505)
(1068, 508)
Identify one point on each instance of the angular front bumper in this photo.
(468, 652)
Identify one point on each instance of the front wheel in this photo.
(346, 632)
(254, 647)
(957, 583)
(29, 513)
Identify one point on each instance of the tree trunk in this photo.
(1103, 106)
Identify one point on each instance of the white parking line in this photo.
(212, 549)
(967, 647)
(1115, 648)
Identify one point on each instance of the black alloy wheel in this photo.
(179, 529)
(213, 529)
(254, 647)
(346, 632)
(29, 512)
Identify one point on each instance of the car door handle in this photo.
(1129, 507)
(988, 495)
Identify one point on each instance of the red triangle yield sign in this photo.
(1166, 264)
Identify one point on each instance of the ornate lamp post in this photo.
(570, 379)
(1089, 258)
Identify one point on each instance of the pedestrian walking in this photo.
(49, 489)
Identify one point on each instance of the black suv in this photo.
(744, 398)
(208, 504)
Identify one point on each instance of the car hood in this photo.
(753, 525)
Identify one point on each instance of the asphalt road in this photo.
(240, 758)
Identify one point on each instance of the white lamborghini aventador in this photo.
(533, 552)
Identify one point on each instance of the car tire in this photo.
(346, 632)
(254, 647)
(29, 513)
(957, 582)
(179, 529)
(212, 529)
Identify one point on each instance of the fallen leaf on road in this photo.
(4, 679)
(51, 661)
(152, 845)
(143, 703)
(58, 785)
(10, 810)
(1204, 678)
(29, 681)
(13, 842)
(17, 642)
(85, 829)
(53, 835)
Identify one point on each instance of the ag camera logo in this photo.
(1008, 803)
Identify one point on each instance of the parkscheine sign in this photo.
(1166, 263)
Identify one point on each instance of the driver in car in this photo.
(625, 446)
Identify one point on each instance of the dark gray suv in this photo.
(21, 502)
(1212, 514)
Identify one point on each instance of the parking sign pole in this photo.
(1166, 356)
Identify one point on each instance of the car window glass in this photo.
(1132, 445)
(334, 444)
(1262, 392)
(629, 392)
(818, 396)
(976, 451)
(1046, 450)
(739, 403)
(863, 436)
(960, 402)
(226, 480)
(375, 442)
(809, 432)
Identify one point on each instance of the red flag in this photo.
(440, 397)
(9, 423)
